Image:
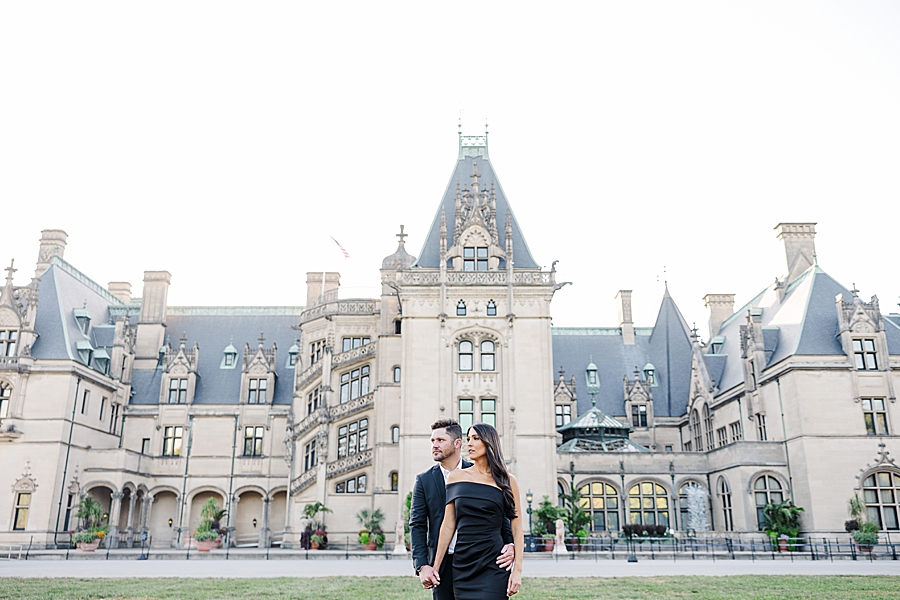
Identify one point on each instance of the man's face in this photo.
(442, 444)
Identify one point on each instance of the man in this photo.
(427, 511)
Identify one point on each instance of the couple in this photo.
(465, 516)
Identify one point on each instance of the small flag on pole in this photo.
(344, 250)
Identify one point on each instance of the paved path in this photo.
(401, 567)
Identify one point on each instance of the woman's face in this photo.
(474, 444)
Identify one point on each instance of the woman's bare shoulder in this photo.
(457, 475)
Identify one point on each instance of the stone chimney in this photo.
(623, 299)
(151, 327)
(721, 306)
(53, 243)
(799, 246)
(316, 293)
(121, 290)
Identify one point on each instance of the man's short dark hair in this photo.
(452, 426)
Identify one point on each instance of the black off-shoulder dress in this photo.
(479, 517)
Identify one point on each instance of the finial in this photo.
(485, 127)
(183, 338)
(694, 335)
(401, 236)
(816, 259)
(261, 339)
(855, 291)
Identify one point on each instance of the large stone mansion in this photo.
(151, 408)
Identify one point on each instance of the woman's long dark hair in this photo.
(491, 440)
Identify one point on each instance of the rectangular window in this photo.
(8, 342)
(256, 394)
(312, 401)
(172, 441)
(102, 407)
(253, 437)
(482, 259)
(23, 503)
(466, 413)
(341, 488)
(687, 446)
(489, 412)
(84, 401)
(668, 448)
(351, 343)
(351, 486)
(761, 427)
(864, 355)
(875, 416)
(469, 258)
(353, 438)
(309, 456)
(639, 415)
(69, 503)
(316, 351)
(722, 435)
(395, 481)
(563, 414)
(178, 390)
(737, 433)
(145, 446)
(5, 395)
(361, 484)
(114, 420)
(354, 384)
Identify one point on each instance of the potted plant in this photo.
(92, 530)
(545, 527)
(865, 532)
(575, 517)
(782, 524)
(210, 530)
(314, 527)
(371, 535)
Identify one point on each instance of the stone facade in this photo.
(152, 409)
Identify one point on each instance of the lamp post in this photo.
(528, 498)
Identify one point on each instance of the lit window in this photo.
(639, 415)
(354, 384)
(23, 504)
(880, 493)
(172, 441)
(766, 490)
(489, 412)
(600, 501)
(395, 481)
(178, 390)
(395, 434)
(256, 394)
(8, 340)
(309, 456)
(461, 309)
(466, 349)
(353, 438)
(563, 414)
(864, 355)
(487, 356)
(466, 413)
(724, 493)
(491, 309)
(648, 504)
(5, 396)
(875, 416)
(253, 437)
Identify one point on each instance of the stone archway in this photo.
(250, 507)
(196, 506)
(104, 495)
(277, 516)
(162, 519)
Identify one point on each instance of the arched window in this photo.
(601, 501)
(395, 481)
(695, 430)
(560, 490)
(396, 374)
(491, 309)
(708, 426)
(724, 492)
(487, 356)
(766, 490)
(881, 491)
(648, 504)
(461, 309)
(395, 434)
(696, 519)
(466, 349)
(5, 396)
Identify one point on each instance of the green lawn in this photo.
(744, 587)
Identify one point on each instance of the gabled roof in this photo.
(670, 351)
(431, 249)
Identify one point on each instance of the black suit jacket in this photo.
(427, 513)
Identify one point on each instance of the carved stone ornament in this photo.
(882, 461)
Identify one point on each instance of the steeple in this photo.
(6, 298)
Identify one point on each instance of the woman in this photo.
(478, 498)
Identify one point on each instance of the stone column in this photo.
(146, 507)
(129, 532)
(114, 510)
(264, 530)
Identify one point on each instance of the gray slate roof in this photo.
(431, 249)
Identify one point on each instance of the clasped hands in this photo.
(430, 578)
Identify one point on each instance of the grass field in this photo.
(745, 587)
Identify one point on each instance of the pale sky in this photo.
(225, 141)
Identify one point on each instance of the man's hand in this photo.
(507, 557)
(425, 576)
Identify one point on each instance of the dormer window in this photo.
(178, 387)
(257, 391)
(293, 352)
(650, 374)
(229, 357)
(83, 319)
(8, 338)
(864, 355)
(475, 258)
(85, 351)
(101, 357)
(491, 309)
(461, 309)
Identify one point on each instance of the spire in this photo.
(443, 234)
(6, 298)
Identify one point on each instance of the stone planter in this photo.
(371, 546)
(89, 546)
(548, 545)
(864, 548)
(207, 545)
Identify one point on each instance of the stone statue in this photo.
(559, 547)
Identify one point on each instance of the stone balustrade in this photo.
(340, 307)
(349, 463)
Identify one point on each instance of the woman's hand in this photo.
(515, 582)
